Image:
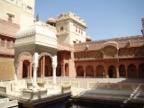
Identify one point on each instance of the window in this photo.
(10, 17)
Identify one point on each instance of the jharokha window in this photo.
(10, 17)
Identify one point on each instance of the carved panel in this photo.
(110, 50)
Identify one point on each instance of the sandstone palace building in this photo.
(31, 48)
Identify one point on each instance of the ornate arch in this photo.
(122, 70)
(80, 71)
(100, 71)
(89, 70)
(24, 53)
(132, 70)
(111, 43)
(112, 71)
(141, 70)
(45, 54)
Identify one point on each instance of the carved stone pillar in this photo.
(15, 74)
(35, 67)
(117, 71)
(85, 72)
(54, 65)
(106, 71)
(43, 72)
(21, 66)
(30, 70)
(63, 69)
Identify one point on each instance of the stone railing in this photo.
(3, 89)
(8, 28)
(66, 89)
(33, 94)
(122, 42)
(5, 103)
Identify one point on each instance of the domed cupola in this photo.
(51, 21)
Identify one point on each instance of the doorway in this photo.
(112, 72)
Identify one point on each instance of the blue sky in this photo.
(105, 19)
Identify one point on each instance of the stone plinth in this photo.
(5, 103)
(34, 94)
(3, 89)
(66, 89)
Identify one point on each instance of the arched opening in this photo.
(100, 72)
(112, 72)
(58, 70)
(26, 69)
(80, 71)
(89, 71)
(122, 71)
(132, 71)
(141, 70)
(45, 66)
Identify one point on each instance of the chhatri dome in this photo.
(51, 21)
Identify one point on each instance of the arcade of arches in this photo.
(25, 69)
(124, 68)
(111, 71)
(45, 69)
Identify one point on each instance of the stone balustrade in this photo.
(33, 94)
(5, 103)
(3, 89)
(66, 89)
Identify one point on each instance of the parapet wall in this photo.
(71, 16)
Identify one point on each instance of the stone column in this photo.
(15, 74)
(43, 66)
(54, 65)
(106, 71)
(30, 75)
(84, 72)
(63, 69)
(117, 71)
(35, 67)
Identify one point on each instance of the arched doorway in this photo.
(66, 69)
(122, 71)
(100, 72)
(45, 66)
(80, 71)
(112, 72)
(90, 71)
(141, 70)
(132, 71)
(26, 69)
